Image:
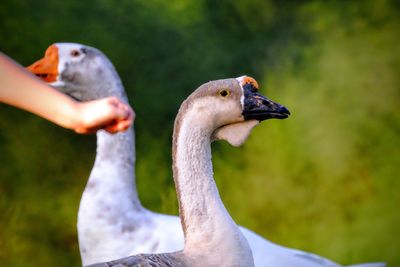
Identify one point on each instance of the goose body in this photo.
(112, 223)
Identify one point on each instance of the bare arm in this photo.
(21, 89)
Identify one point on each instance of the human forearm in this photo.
(21, 89)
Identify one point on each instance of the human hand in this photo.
(110, 114)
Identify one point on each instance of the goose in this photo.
(112, 223)
(211, 236)
(223, 109)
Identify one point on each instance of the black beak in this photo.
(258, 107)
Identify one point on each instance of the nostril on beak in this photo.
(267, 103)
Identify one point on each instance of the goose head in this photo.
(233, 107)
(80, 71)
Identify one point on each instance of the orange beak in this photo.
(47, 67)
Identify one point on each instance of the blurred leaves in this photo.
(325, 180)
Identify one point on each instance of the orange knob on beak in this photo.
(47, 67)
(250, 80)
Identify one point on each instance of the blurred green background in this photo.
(325, 180)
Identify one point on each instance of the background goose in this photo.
(111, 222)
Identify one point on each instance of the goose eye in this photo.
(224, 92)
(75, 53)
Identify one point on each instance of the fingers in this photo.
(122, 124)
(110, 114)
(125, 117)
(122, 110)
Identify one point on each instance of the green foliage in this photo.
(325, 180)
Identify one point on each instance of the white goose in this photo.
(112, 222)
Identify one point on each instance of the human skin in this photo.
(21, 89)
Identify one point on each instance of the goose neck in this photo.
(113, 172)
(208, 227)
(118, 147)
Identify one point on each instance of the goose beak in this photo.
(47, 67)
(257, 106)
